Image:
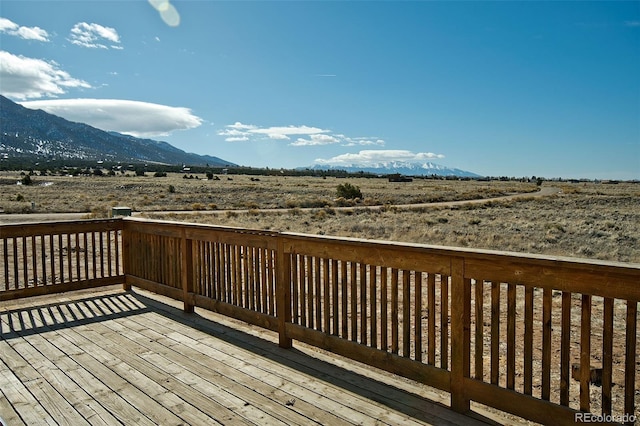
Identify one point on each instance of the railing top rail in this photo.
(632, 269)
(29, 229)
(192, 225)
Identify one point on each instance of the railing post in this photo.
(187, 272)
(283, 293)
(126, 251)
(460, 334)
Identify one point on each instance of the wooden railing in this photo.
(549, 339)
(46, 258)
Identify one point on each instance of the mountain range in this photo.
(399, 167)
(37, 134)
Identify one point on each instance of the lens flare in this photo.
(168, 12)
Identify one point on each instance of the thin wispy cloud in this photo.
(94, 36)
(140, 119)
(371, 157)
(28, 78)
(315, 140)
(632, 23)
(28, 33)
(306, 135)
(286, 132)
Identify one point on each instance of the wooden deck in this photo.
(113, 357)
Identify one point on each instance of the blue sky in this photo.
(497, 88)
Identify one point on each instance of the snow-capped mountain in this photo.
(398, 167)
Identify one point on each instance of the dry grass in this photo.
(588, 220)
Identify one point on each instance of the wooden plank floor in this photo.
(111, 357)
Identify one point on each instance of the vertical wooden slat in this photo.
(546, 343)
(117, 239)
(406, 313)
(60, 258)
(479, 335)
(373, 296)
(271, 280)
(585, 352)
(34, 260)
(25, 262)
(495, 332)
(229, 278)
(5, 262)
(528, 340)
(16, 264)
(363, 303)
(431, 283)
(631, 340)
(237, 276)
(101, 254)
(384, 309)
(93, 254)
(52, 259)
(109, 254)
(78, 249)
(264, 280)
(295, 308)
(334, 297)
(187, 273)
(302, 274)
(565, 349)
(417, 334)
(69, 259)
(511, 336)
(354, 300)
(223, 267)
(607, 354)
(311, 287)
(344, 294)
(86, 254)
(317, 282)
(394, 311)
(245, 258)
(444, 321)
(326, 296)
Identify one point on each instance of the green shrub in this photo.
(348, 191)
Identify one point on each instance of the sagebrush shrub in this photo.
(348, 191)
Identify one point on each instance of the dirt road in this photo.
(48, 217)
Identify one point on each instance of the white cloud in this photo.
(370, 157)
(140, 119)
(94, 36)
(318, 139)
(25, 78)
(27, 33)
(315, 136)
(632, 23)
(285, 132)
(244, 132)
(362, 141)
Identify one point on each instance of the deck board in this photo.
(111, 357)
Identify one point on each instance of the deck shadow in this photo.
(393, 397)
(22, 322)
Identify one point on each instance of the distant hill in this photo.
(34, 133)
(402, 168)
